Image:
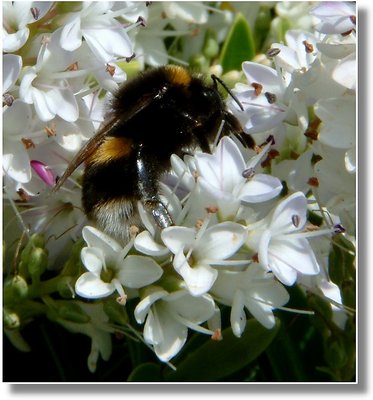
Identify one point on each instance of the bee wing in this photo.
(85, 152)
(97, 140)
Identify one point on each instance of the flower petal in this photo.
(223, 169)
(194, 309)
(238, 316)
(295, 253)
(220, 241)
(93, 259)
(260, 188)
(95, 238)
(283, 216)
(138, 271)
(12, 65)
(71, 35)
(178, 237)
(198, 279)
(91, 287)
(172, 332)
(145, 243)
(143, 307)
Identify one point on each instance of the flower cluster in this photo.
(249, 223)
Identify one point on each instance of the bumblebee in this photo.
(163, 111)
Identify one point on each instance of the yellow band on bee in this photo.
(178, 75)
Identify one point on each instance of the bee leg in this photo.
(148, 192)
(159, 212)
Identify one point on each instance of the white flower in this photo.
(104, 35)
(168, 317)
(221, 177)
(264, 100)
(109, 267)
(196, 252)
(337, 185)
(17, 125)
(330, 291)
(17, 15)
(296, 173)
(345, 72)
(43, 86)
(255, 289)
(12, 65)
(299, 53)
(280, 249)
(190, 12)
(293, 13)
(338, 126)
(97, 328)
(335, 16)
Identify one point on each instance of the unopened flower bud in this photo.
(335, 353)
(38, 262)
(65, 287)
(115, 312)
(15, 290)
(11, 319)
(71, 312)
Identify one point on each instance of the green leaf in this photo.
(215, 360)
(147, 372)
(342, 265)
(239, 45)
(262, 24)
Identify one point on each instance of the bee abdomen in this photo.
(116, 216)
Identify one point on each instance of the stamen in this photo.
(28, 143)
(217, 336)
(271, 97)
(313, 181)
(51, 131)
(24, 196)
(122, 299)
(308, 47)
(295, 219)
(338, 228)
(73, 67)
(248, 173)
(110, 69)
(35, 11)
(8, 99)
(258, 88)
(17, 213)
(273, 52)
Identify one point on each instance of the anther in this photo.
(257, 87)
(110, 69)
(338, 228)
(295, 219)
(28, 143)
(248, 173)
(308, 47)
(212, 209)
(35, 12)
(141, 21)
(271, 97)
(273, 52)
(8, 99)
(313, 181)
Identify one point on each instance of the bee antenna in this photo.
(234, 97)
